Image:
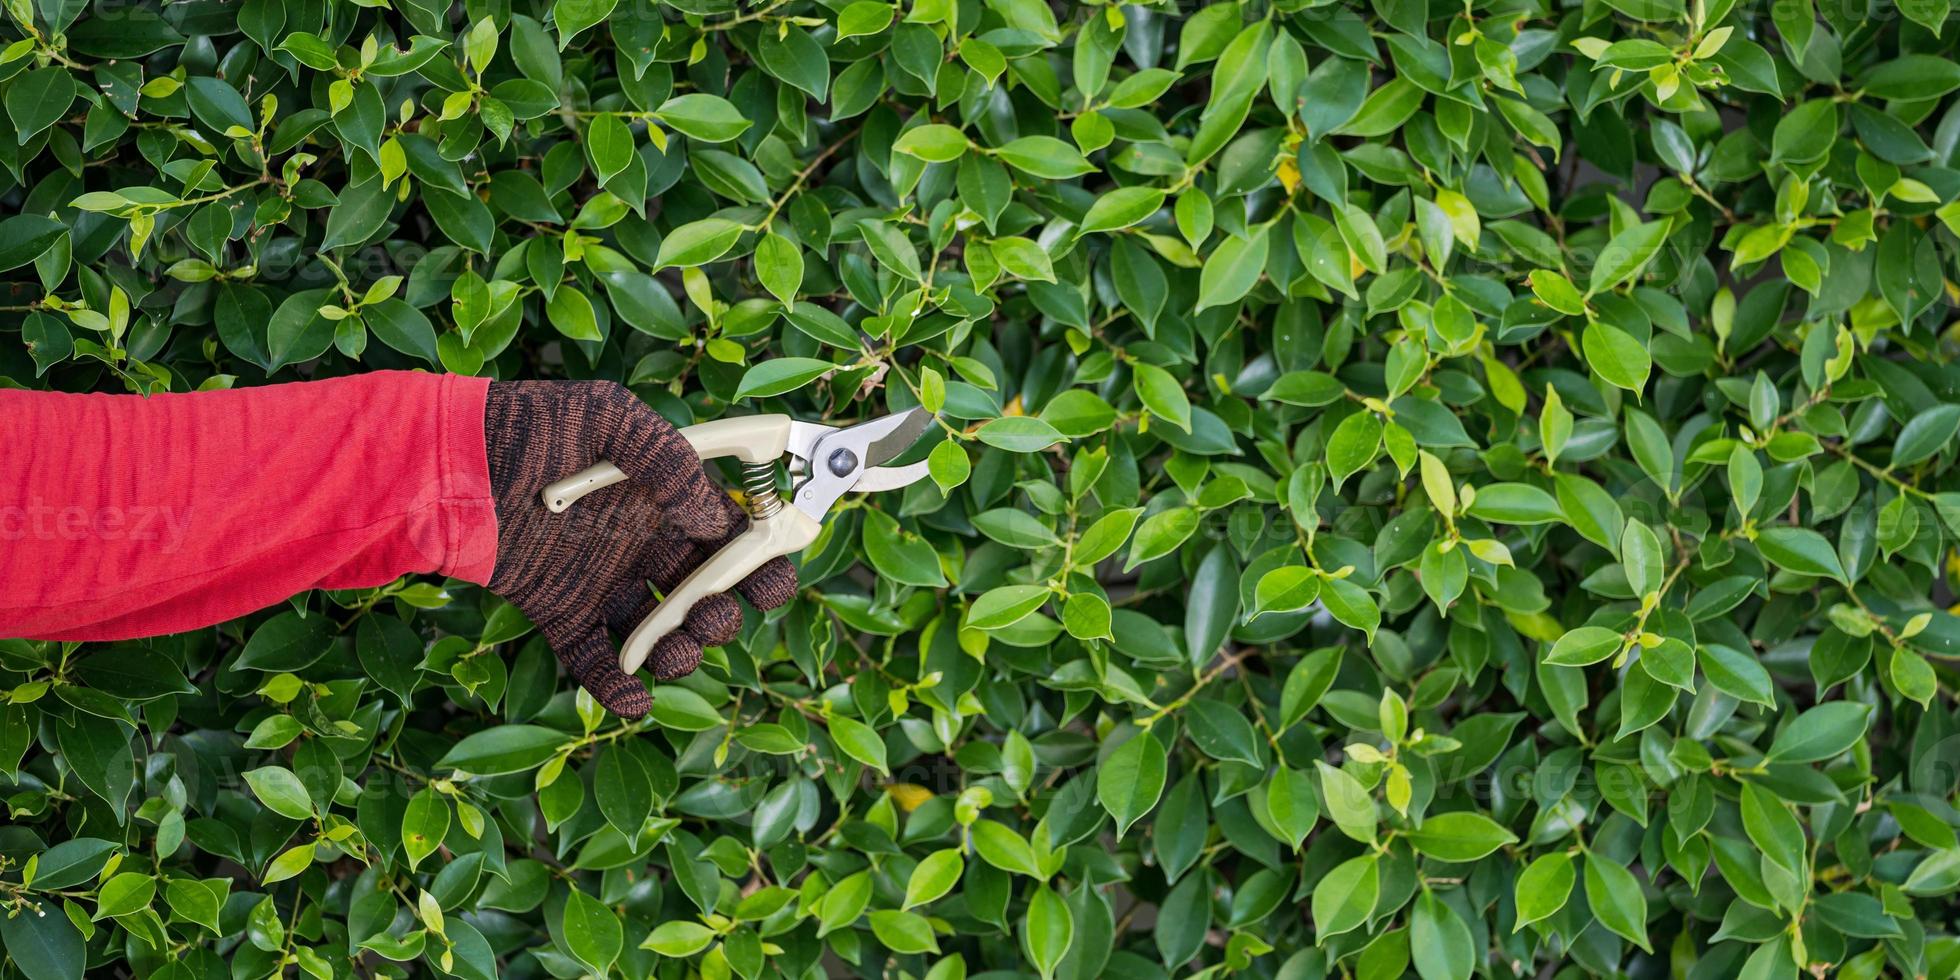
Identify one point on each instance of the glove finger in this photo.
(714, 620)
(631, 602)
(641, 442)
(589, 657)
(675, 656)
(623, 611)
(771, 585)
(669, 558)
(768, 586)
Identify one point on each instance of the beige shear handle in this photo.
(749, 438)
(785, 532)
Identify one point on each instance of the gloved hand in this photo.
(579, 573)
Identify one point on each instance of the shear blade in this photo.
(889, 437)
(881, 478)
(844, 460)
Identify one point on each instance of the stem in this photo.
(803, 177)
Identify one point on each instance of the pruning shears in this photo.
(826, 463)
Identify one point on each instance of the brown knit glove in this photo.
(578, 573)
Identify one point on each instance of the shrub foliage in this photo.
(1462, 489)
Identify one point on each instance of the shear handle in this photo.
(752, 439)
(785, 532)
(749, 438)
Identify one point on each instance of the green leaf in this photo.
(1354, 445)
(684, 710)
(44, 945)
(1911, 77)
(843, 903)
(1129, 782)
(1105, 536)
(573, 17)
(624, 791)
(1288, 588)
(217, 105)
(1232, 269)
(71, 862)
(898, 554)
(1821, 733)
(1925, 434)
(1800, 550)
(1439, 941)
(1351, 604)
(949, 464)
(779, 266)
(571, 313)
(678, 939)
(1615, 356)
(1459, 836)
(781, 375)
(124, 894)
(1024, 258)
(1019, 434)
(1345, 896)
(504, 749)
(23, 237)
(280, 791)
(1291, 804)
(862, 18)
(697, 243)
(1000, 846)
(610, 145)
(287, 642)
(1122, 208)
(1006, 605)
(933, 142)
(1162, 395)
(592, 931)
(37, 99)
(1543, 887)
(1049, 930)
(1045, 157)
(1515, 503)
(1736, 674)
(705, 117)
(424, 825)
(1016, 529)
(903, 932)
(859, 741)
(933, 877)
(1161, 533)
(362, 210)
(1623, 258)
(1349, 805)
(892, 249)
(1616, 899)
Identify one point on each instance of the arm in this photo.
(123, 516)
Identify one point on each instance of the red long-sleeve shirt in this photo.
(123, 516)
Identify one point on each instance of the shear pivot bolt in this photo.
(842, 462)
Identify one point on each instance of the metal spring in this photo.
(759, 486)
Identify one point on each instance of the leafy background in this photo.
(1462, 489)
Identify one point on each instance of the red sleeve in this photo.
(123, 516)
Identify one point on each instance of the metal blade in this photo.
(887, 438)
(841, 460)
(881, 478)
(804, 436)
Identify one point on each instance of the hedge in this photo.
(1454, 488)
